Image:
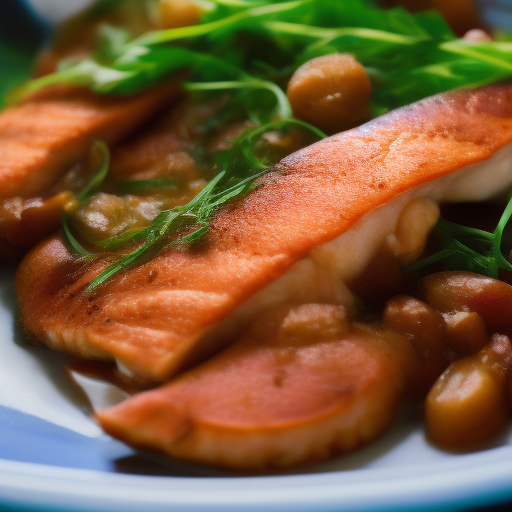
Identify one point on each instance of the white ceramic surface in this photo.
(400, 472)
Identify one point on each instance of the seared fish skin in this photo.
(43, 142)
(160, 316)
(274, 399)
(43, 136)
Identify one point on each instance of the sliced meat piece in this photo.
(274, 400)
(42, 137)
(182, 305)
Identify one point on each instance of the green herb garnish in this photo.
(101, 155)
(408, 56)
(249, 49)
(242, 165)
(469, 249)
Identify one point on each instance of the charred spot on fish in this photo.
(152, 275)
(71, 295)
(95, 307)
(344, 391)
(279, 379)
(381, 185)
(107, 320)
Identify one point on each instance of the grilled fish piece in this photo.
(279, 396)
(43, 137)
(311, 227)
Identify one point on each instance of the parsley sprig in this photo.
(185, 225)
(409, 57)
(465, 248)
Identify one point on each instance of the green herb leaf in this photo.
(101, 156)
(469, 249)
(409, 56)
(188, 223)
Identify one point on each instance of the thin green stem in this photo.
(325, 34)
(174, 34)
(462, 47)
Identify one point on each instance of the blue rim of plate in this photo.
(480, 480)
(73, 473)
(59, 482)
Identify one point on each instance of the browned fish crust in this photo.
(152, 317)
(43, 136)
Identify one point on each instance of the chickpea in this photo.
(467, 406)
(426, 330)
(330, 92)
(466, 332)
(178, 13)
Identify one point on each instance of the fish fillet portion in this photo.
(274, 399)
(316, 197)
(42, 137)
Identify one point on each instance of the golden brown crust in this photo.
(43, 136)
(267, 402)
(151, 317)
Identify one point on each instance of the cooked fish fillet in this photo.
(274, 399)
(42, 137)
(306, 231)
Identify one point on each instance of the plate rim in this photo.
(482, 478)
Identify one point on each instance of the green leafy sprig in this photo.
(184, 225)
(470, 249)
(99, 153)
(408, 56)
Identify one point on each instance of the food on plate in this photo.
(271, 295)
(125, 47)
(331, 92)
(255, 257)
(301, 385)
(468, 404)
(41, 140)
(192, 302)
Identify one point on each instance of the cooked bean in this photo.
(415, 223)
(25, 221)
(467, 406)
(466, 332)
(331, 92)
(178, 13)
(464, 291)
(426, 330)
(477, 35)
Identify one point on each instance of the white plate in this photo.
(53, 457)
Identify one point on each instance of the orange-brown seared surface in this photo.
(151, 318)
(282, 395)
(43, 137)
(306, 382)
